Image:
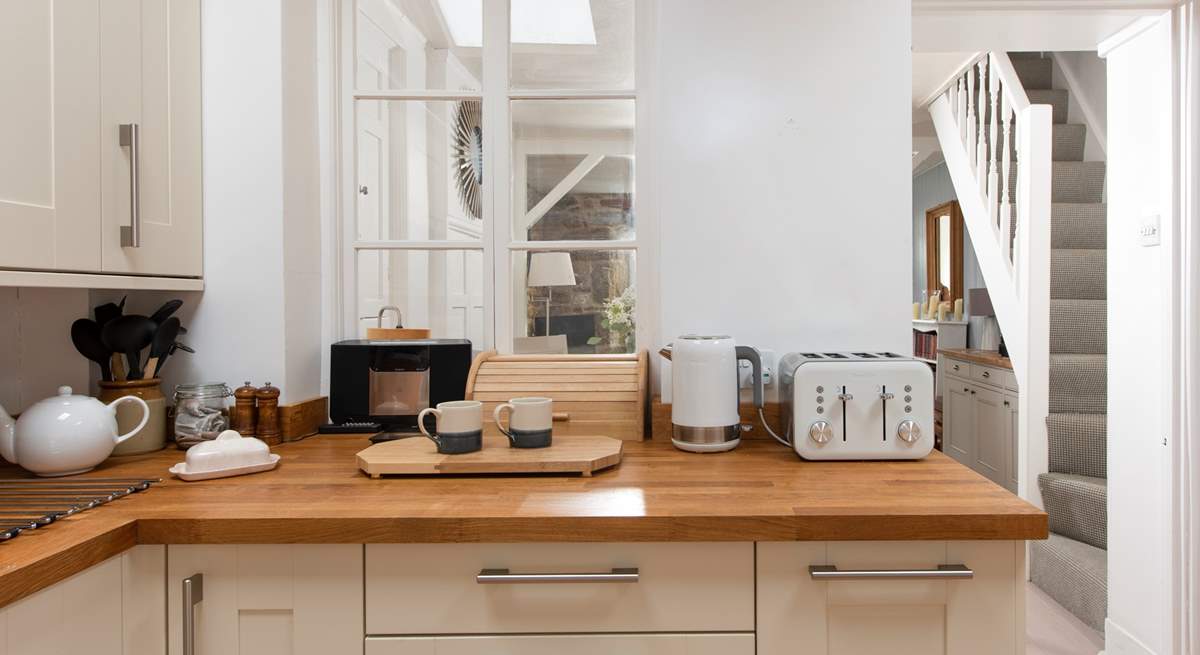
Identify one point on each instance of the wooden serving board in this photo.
(419, 456)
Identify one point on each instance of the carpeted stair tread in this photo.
(1077, 181)
(1066, 143)
(1079, 383)
(1078, 326)
(1074, 574)
(1078, 274)
(1080, 226)
(1078, 443)
(1034, 73)
(1077, 506)
(1056, 98)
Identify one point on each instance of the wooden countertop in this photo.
(988, 357)
(759, 492)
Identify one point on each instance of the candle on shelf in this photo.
(958, 306)
(942, 311)
(916, 310)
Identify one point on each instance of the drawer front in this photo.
(662, 644)
(977, 616)
(957, 368)
(997, 377)
(681, 587)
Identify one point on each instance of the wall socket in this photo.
(745, 370)
(1149, 229)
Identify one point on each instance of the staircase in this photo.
(1071, 566)
(1035, 212)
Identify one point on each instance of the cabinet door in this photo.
(269, 599)
(113, 608)
(798, 615)
(1014, 462)
(991, 435)
(640, 644)
(49, 145)
(150, 64)
(958, 421)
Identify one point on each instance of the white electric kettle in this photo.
(65, 434)
(704, 391)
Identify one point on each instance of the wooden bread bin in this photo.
(593, 394)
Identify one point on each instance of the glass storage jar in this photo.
(200, 412)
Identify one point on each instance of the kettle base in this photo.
(706, 439)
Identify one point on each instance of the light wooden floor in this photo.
(1052, 630)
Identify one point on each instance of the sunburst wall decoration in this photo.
(468, 156)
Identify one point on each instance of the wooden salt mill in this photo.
(244, 413)
(268, 414)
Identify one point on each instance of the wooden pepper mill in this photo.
(244, 413)
(268, 414)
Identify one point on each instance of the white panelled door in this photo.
(372, 74)
(49, 144)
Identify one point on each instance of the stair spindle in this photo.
(993, 159)
(1006, 230)
(969, 126)
(981, 143)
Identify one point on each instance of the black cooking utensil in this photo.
(108, 311)
(129, 334)
(164, 340)
(162, 313)
(85, 334)
(171, 351)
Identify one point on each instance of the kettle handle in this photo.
(750, 354)
(141, 424)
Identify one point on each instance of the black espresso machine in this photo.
(382, 385)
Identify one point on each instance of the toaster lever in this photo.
(845, 396)
(886, 395)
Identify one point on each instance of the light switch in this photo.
(1149, 230)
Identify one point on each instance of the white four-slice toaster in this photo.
(861, 405)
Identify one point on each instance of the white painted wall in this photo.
(1139, 304)
(783, 151)
(1085, 75)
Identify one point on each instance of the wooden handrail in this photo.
(1010, 84)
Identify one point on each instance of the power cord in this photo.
(763, 419)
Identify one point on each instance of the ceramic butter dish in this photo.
(227, 455)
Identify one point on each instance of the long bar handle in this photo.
(131, 235)
(944, 571)
(193, 592)
(503, 576)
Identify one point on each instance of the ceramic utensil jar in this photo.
(459, 426)
(530, 422)
(65, 434)
(153, 436)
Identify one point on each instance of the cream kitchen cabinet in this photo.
(638, 644)
(79, 193)
(266, 599)
(890, 609)
(979, 419)
(113, 608)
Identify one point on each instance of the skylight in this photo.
(543, 22)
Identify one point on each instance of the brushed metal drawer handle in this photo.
(131, 235)
(987, 374)
(953, 571)
(503, 576)
(193, 592)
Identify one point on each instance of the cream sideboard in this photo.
(116, 607)
(729, 598)
(979, 417)
(73, 181)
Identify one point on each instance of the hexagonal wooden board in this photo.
(419, 456)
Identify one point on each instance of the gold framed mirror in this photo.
(944, 251)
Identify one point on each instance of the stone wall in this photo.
(599, 275)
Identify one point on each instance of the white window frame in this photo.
(497, 243)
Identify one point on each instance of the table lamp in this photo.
(981, 305)
(550, 269)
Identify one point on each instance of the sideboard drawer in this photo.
(679, 587)
(957, 368)
(639, 644)
(998, 377)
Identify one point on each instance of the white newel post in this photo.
(1033, 289)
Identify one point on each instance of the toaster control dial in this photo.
(909, 431)
(820, 432)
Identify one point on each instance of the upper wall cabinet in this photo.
(100, 137)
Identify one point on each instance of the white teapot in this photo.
(65, 434)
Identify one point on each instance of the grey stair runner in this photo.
(1077, 505)
(1071, 566)
(1074, 574)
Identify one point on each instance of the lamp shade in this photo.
(551, 269)
(981, 303)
